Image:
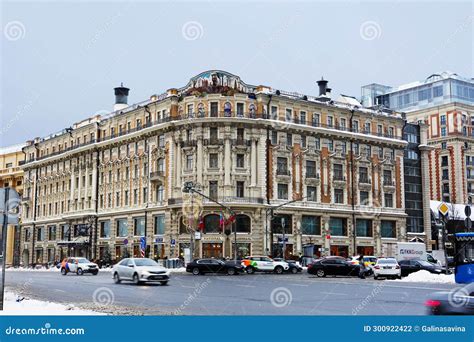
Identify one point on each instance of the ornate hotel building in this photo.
(100, 186)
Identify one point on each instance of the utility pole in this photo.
(283, 224)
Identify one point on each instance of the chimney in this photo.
(328, 92)
(121, 97)
(322, 84)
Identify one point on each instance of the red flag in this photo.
(201, 224)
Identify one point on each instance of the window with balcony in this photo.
(303, 117)
(388, 198)
(387, 177)
(363, 175)
(288, 115)
(330, 121)
(160, 190)
(274, 113)
(316, 119)
(364, 198)
(282, 191)
(311, 193)
(367, 127)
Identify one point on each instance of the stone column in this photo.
(199, 160)
(227, 163)
(253, 167)
(94, 184)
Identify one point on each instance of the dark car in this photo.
(454, 302)
(333, 266)
(415, 265)
(202, 266)
(294, 267)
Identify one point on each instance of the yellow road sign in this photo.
(443, 209)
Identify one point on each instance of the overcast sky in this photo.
(61, 60)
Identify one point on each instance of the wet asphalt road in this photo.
(258, 294)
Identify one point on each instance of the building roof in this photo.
(12, 148)
(431, 79)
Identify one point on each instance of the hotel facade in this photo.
(100, 187)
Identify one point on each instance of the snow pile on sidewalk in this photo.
(29, 269)
(427, 277)
(38, 307)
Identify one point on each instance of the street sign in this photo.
(280, 239)
(443, 209)
(467, 210)
(159, 239)
(197, 235)
(328, 237)
(173, 242)
(125, 241)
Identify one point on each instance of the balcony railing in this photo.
(251, 115)
(388, 182)
(283, 172)
(364, 180)
(223, 199)
(157, 175)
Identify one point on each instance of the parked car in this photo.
(78, 266)
(414, 265)
(254, 264)
(454, 302)
(140, 270)
(202, 266)
(387, 268)
(369, 260)
(294, 265)
(334, 266)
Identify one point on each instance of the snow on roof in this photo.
(12, 148)
(351, 100)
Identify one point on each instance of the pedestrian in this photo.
(361, 267)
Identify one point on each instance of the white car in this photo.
(387, 268)
(78, 266)
(264, 264)
(140, 270)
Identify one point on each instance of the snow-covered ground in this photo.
(427, 277)
(54, 269)
(38, 307)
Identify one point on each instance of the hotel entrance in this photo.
(212, 250)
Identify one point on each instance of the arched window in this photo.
(227, 109)
(252, 110)
(243, 223)
(211, 224)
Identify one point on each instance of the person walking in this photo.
(361, 267)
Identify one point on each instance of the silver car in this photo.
(140, 270)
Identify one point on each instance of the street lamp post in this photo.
(284, 237)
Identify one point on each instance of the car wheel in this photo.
(79, 271)
(250, 270)
(164, 283)
(63, 271)
(376, 277)
(320, 273)
(231, 271)
(399, 277)
(294, 270)
(136, 280)
(95, 272)
(196, 271)
(278, 270)
(116, 278)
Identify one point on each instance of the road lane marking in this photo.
(335, 293)
(305, 285)
(243, 285)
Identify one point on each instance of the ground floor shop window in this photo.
(365, 250)
(388, 229)
(212, 250)
(278, 250)
(39, 256)
(121, 252)
(158, 251)
(342, 251)
(243, 250)
(338, 226)
(364, 228)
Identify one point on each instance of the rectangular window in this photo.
(240, 109)
(339, 196)
(282, 191)
(311, 193)
(310, 169)
(388, 229)
(443, 119)
(122, 227)
(316, 119)
(214, 109)
(135, 196)
(104, 229)
(52, 233)
(387, 177)
(288, 114)
(363, 175)
(213, 160)
(282, 166)
(189, 162)
(240, 189)
(364, 228)
(338, 174)
(289, 139)
(274, 113)
(311, 225)
(160, 225)
(338, 226)
(330, 121)
(364, 198)
(213, 190)
(240, 162)
(388, 200)
(139, 226)
(274, 137)
(303, 117)
(40, 234)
